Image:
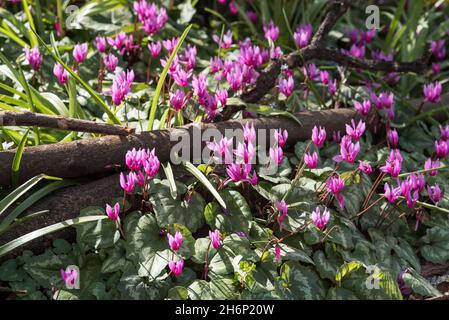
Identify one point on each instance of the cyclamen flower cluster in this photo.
(153, 19)
(143, 165)
(33, 57)
(121, 86)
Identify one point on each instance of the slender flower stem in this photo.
(373, 189)
(366, 209)
(206, 263)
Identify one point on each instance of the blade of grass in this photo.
(26, 9)
(16, 161)
(161, 81)
(8, 247)
(200, 176)
(171, 180)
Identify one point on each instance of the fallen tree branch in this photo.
(106, 154)
(9, 118)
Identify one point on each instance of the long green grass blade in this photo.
(161, 81)
(17, 158)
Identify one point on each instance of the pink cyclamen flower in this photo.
(436, 68)
(286, 86)
(391, 194)
(348, 150)
(80, 52)
(277, 252)
(332, 87)
(127, 183)
(181, 76)
(435, 193)
(252, 15)
(281, 137)
(233, 8)
(155, 48)
(121, 86)
(393, 138)
(177, 99)
(320, 220)
(113, 213)
(215, 239)
(176, 267)
(100, 44)
(335, 185)
(175, 242)
(365, 167)
(355, 131)
(60, 73)
(276, 155)
(245, 152)
(412, 198)
(318, 136)
(33, 57)
(311, 160)
(226, 41)
(151, 164)
(239, 172)
(221, 150)
(430, 164)
(249, 133)
(281, 207)
(444, 133)
(432, 92)
(363, 107)
(69, 277)
(393, 164)
(438, 49)
(111, 62)
(324, 76)
(139, 178)
(384, 100)
(271, 31)
(222, 96)
(441, 148)
(170, 44)
(275, 53)
(302, 35)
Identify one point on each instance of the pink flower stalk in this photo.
(33, 57)
(325, 78)
(249, 133)
(348, 150)
(121, 86)
(276, 155)
(127, 183)
(111, 62)
(441, 148)
(286, 86)
(355, 131)
(335, 185)
(435, 193)
(311, 160)
(281, 137)
(58, 27)
(151, 164)
(277, 252)
(118, 41)
(302, 35)
(444, 133)
(320, 220)
(176, 267)
(430, 164)
(170, 44)
(215, 239)
(281, 207)
(70, 277)
(240, 173)
(393, 164)
(252, 15)
(392, 194)
(245, 152)
(393, 138)
(221, 150)
(271, 31)
(100, 44)
(177, 99)
(365, 167)
(318, 136)
(60, 73)
(432, 92)
(181, 77)
(363, 107)
(176, 241)
(80, 52)
(155, 48)
(384, 100)
(221, 96)
(113, 213)
(438, 49)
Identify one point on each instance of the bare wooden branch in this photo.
(9, 118)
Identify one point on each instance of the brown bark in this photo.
(9, 118)
(107, 154)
